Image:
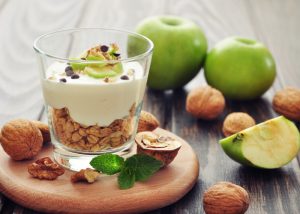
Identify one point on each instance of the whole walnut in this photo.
(44, 129)
(225, 197)
(205, 103)
(236, 122)
(287, 103)
(147, 122)
(21, 139)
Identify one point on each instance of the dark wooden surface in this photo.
(275, 23)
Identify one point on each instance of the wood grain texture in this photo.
(167, 186)
(275, 23)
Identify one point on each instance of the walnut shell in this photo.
(44, 128)
(205, 103)
(225, 197)
(161, 148)
(236, 122)
(147, 122)
(287, 103)
(21, 139)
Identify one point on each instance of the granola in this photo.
(92, 138)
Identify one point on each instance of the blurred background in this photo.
(273, 22)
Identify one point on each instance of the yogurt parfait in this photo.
(94, 99)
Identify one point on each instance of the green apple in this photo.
(179, 50)
(240, 68)
(271, 144)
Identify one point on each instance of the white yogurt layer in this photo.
(92, 101)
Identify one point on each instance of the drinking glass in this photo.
(87, 116)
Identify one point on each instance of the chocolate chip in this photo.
(103, 48)
(116, 54)
(124, 77)
(75, 76)
(62, 80)
(68, 68)
(69, 71)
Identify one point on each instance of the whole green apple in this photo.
(240, 68)
(179, 50)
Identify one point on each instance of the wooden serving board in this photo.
(166, 187)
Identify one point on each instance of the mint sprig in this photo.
(139, 167)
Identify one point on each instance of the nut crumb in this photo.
(85, 175)
(51, 78)
(130, 72)
(45, 168)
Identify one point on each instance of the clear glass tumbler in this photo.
(93, 82)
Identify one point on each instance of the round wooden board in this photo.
(166, 187)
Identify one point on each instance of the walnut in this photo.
(225, 197)
(45, 168)
(21, 139)
(86, 175)
(236, 122)
(147, 122)
(44, 128)
(161, 148)
(205, 103)
(287, 103)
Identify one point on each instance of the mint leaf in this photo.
(144, 166)
(108, 163)
(126, 178)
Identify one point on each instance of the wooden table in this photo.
(275, 23)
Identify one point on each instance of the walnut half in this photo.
(162, 148)
(45, 168)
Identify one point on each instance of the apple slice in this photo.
(82, 65)
(107, 71)
(271, 144)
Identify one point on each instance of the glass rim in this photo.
(127, 59)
